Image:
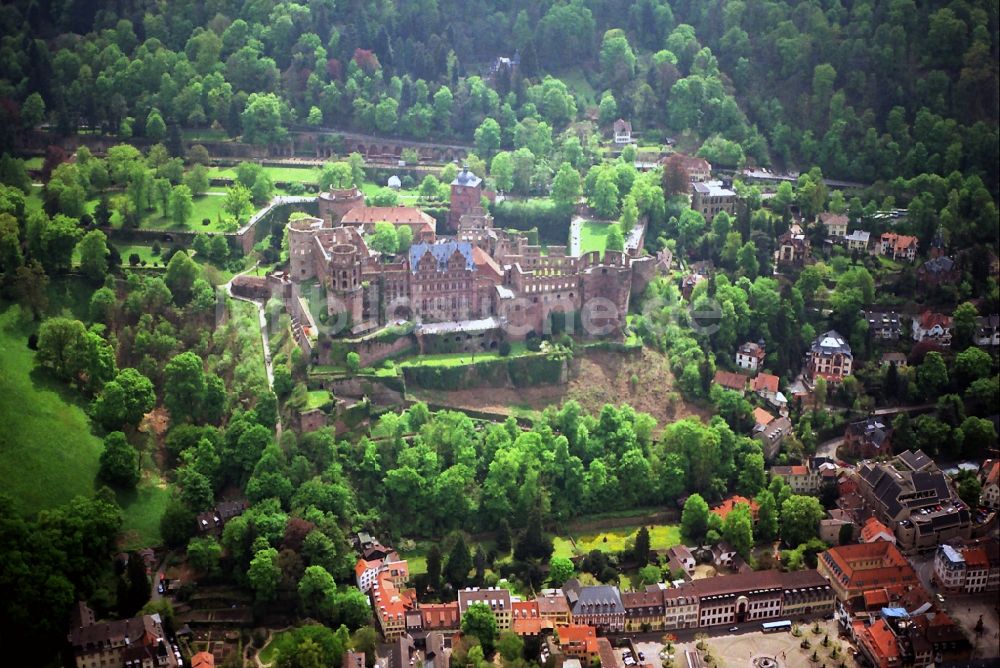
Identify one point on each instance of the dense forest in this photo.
(866, 91)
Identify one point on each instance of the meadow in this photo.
(48, 453)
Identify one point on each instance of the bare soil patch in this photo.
(598, 378)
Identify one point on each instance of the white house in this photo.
(835, 223)
(933, 326)
(857, 240)
(750, 356)
(623, 131)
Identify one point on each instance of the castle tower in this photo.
(345, 282)
(466, 196)
(334, 203)
(301, 238)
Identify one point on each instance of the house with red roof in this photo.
(578, 641)
(854, 569)
(878, 644)
(898, 246)
(731, 381)
(931, 326)
(874, 530)
(727, 506)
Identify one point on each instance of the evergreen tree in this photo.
(456, 571)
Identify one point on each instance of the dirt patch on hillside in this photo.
(598, 378)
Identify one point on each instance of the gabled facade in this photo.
(898, 246)
(623, 132)
(932, 326)
(830, 357)
(835, 224)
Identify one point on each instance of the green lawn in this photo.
(577, 84)
(594, 236)
(48, 453)
(370, 189)
(317, 398)
(143, 509)
(205, 206)
(461, 359)
(614, 540)
(145, 253)
(36, 162)
(290, 174)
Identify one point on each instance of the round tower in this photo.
(344, 270)
(301, 236)
(334, 203)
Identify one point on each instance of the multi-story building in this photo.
(911, 495)
(599, 606)
(884, 325)
(644, 610)
(367, 571)
(800, 477)
(835, 224)
(750, 356)
(709, 198)
(680, 609)
(898, 246)
(968, 567)
(138, 641)
(857, 240)
(578, 641)
(878, 644)
(391, 605)
(793, 248)
(552, 605)
(623, 131)
(495, 598)
(440, 616)
(830, 357)
(697, 169)
(940, 270)
(932, 326)
(527, 622)
(868, 438)
(854, 569)
(754, 596)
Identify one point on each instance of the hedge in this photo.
(551, 220)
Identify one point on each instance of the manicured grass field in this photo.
(36, 162)
(144, 253)
(614, 540)
(594, 236)
(205, 206)
(290, 174)
(461, 359)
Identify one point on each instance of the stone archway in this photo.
(742, 605)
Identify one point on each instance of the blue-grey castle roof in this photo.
(442, 252)
(466, 178)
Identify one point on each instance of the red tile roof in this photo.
(203, 660)
(727, 506)
(731, 380)
(876, 598)
(929, 319)
(873, 528)
(761, 416)
(976, 558)
(578, 634)
(397, 215)
(881, 640)
(765, 381)
(439, 615)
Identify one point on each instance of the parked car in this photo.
(734, 628)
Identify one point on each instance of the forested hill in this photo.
(867, 90)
